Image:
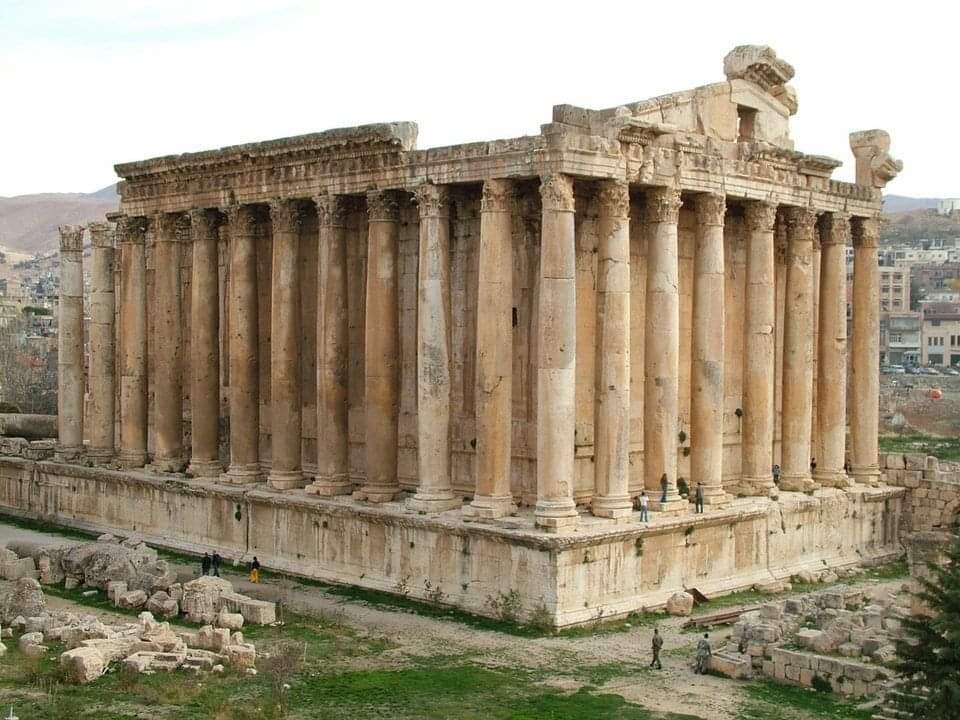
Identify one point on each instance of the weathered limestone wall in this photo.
(933, 491)
(846, 677)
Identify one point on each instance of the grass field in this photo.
(942, 448)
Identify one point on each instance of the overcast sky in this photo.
(85, 84)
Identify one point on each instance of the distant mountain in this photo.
(28, 223)
(902, 203)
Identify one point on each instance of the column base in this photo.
(377, 493)
(866, 475)
(759, 487)
(205, 468)
(490, 507)
(69, 454)
(612, 506)
(331, 486)
(100, 456)
(434, 502)
(715, 497)
(556, 515)
(243, 474)
(130, 460)
(675, 505)
(167, 465)
(798, 483)
(285, 479)
(833, 479)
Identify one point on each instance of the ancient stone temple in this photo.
(380, 365)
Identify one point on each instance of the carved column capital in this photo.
(614, 197)
(497, 195)
(663, 205)
(866, 232)
(131, 230)
(100, 234)
(801, 223)
(285, 215)
(203, 224)
(835, 228)
(760, 215)
(331, 209)
(71, 238)
(432, 200)
(166, 227)
(383, 206)
(242, 219)
(556, 192)
(711, 209)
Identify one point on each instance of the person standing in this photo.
(663, 486)
(205, 564)
(255, 570)
(813, 465)
(776, 475)
(644, 507)
(216, 563)
(657, 645)
(699, 497)
(703, 654)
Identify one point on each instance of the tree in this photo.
(929, 655)
(28, 370)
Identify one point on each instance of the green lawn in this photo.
(943, 448)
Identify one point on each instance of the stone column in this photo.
(205, 346)
(382, 347)
(168, 371)
(132, 335)
(435, 493)
(286, 469)
(662, 351)
(758, 358)
(797, 379)
(611, 444)
(244, 347)
(707, 399)
(865, 376)
(102, 358)
(333, 347)
(832, 365)
(70, 375)
(556, 357)
(494, 396)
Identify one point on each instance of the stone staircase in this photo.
(887, 709)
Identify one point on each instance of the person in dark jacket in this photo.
(205, 564)
(216, 563)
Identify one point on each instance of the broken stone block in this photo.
(21, 568)
(236, 638)
(680, 603)
(771, 611)
(241, 656)
(83, 664)
(34, 651)
(849, 649)
(176, 592)
(30, 638)
(219, 639)
(25, 599)
(116, 588)
(160, 603)
(131, 599)
(793, 607)
(201, 598)
(869, 646)
(231, 621)
(71, 582)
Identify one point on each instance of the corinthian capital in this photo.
(663, 205)
(866, 232)
(71, 238)
(497, 196)
(285, 215)
(801, 223)
(835, 228)
(241, 219)
(331, 210)
(761, 215)
(166, 227)
(711, 209)
(383, 205)
(131, 230)
(614, 199)
(556, 192)
(100, 234)
(432, 200)
(203, 225)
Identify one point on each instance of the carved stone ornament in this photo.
(711, 209)
(101, 234)
(331, 209)
(875, 167)
(614, 198)
(866, 232)
(556, 192)
(497, 196)
(242, 219)
(663, 205)
(131, 229)
(203, 224)
(801, 223)
(285, 215)
(760, 215)
(71, 238)
(383, 205)
(758, 64)
(835, 228)
(432, 200)
(165, 227)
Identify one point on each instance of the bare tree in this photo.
(28, 369)
(280, 662)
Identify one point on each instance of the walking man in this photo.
(703, 654)
(216, 563)
(205, 564)
(699, 497)
(255, 570)
(644, 507)
(656, 644)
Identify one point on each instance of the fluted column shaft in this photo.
(758, 355)
(707, 399)
(286, 469)
(612, 405)
(133, 342)
(661, 405)
(70, 375)
(493, 497)
(865, 378)
(333, 471)
(556, 357)
(102, 358)
(205, 346)
(832, 364)
(797, 410)
(244, 350)
(382, 347)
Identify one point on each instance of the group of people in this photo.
(210, 565)
(704, 651)
(644, 500)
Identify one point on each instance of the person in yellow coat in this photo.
(255, 570)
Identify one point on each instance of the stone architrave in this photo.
(333, 471)
(382, 347)
(205, 346)
(286, 468)
(168, 456)
(612, 406)
(132, 335)
(102, 354)
(555, 510)
(435, 493)
(706, 393)
(758, 355)
(865, 375)
(832, 364)
(661, 386)
(71, 381)
(493, 497)
(797, 410)
(244, 351)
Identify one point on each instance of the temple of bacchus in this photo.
(459, 367)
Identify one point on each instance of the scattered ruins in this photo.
(378, 365)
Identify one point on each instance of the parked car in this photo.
(929, 371)
(897, 370)
(912, 370)
(951, 371)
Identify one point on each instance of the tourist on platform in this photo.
(699, 497)
(776, 475)
(216, 563)
(644, 507)
(703, 654)
(656, 644)
(255, 570)
(847, 467)
(813, 465)
(663, 486)
(205, 564)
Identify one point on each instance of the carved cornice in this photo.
(711, 209)
(101, 234)
(331, 210)
(865, 232)
(801, 223)
(835, 228)
(203, 225)
(497, 195)
(131, 230)
(760, 215)
(383, 206)
(241, 220)
(71, 238)
(556, 193)
(614, 199)
(285, 215)
(662, 205)
(432, 200)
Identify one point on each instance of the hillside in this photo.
(902, 203)
(916, 225)
(28, 223)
